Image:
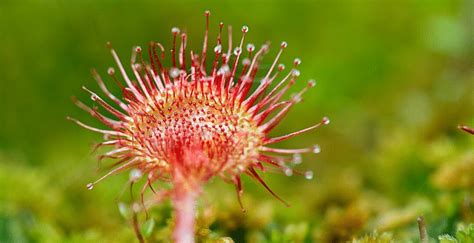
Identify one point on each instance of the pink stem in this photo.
(184, 203)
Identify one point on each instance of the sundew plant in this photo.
(289, 121)
(183, 124)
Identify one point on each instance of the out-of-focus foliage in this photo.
(375, 238)
(464, 233)
(395, 77)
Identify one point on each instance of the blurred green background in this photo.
(395, 77)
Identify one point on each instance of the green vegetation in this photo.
(395, 77)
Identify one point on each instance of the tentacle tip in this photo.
(297, 61)
(135, 175)
(246, 62)
(243, 210)
(281, 67)
(90, 186)
(466, 129)
(284, 44)
(138, 49)
(326, 120)
(136, 207)
(296, 73)
(288, 171)
(207, 13)
(250, 47)
(174, 72)
(111, 71)
(175, 30)
(311, 83)
(245, 29)
(316, 149)
(218, 49)
(296, 98)
(237, 51)
(297, 159)
(108, 44)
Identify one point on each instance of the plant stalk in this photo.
(422, 229)
(184, 203)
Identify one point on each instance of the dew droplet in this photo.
(111, 71)
(308, 175)
(174, 72)
(296, 97)
(175, 30)
(284, 44)
(246, 61)
(218, 49)
(297, 61)
(311, 83)
(247, 79)
(240, 168)
(326, 120)
(123, 210)
(288, 171)
(237, 51)
(316, 149)
(281, 66)
(245, 29)
(135, 174)
(138, 49)
(224, 69)
(90, 186)
(297, 159)
(138, 66)
(296, 73)
(136, 207)
(250, 47)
